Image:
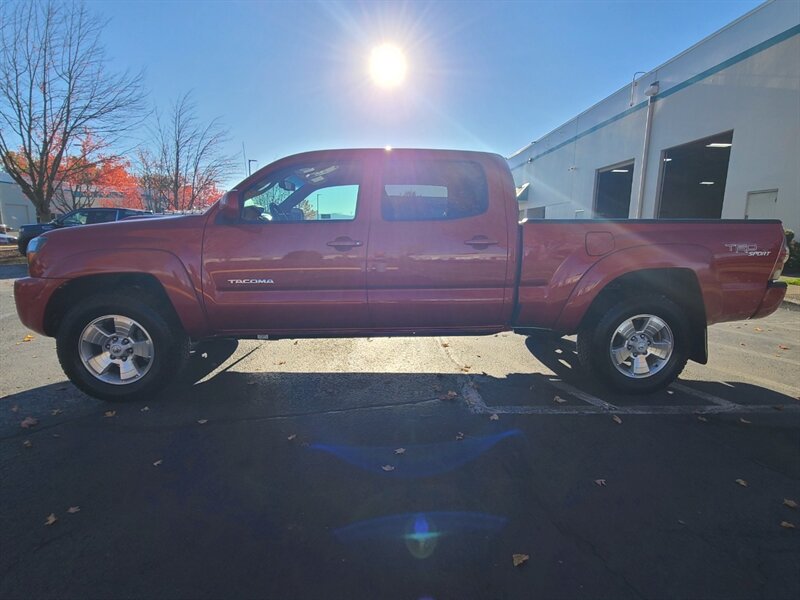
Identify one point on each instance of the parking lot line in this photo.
(595, 406)
(703, 395)
(588, 398)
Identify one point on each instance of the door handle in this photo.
(344, 243)
(481, 242)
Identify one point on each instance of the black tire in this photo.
(594, 344)
(23, 247)
(170, 345)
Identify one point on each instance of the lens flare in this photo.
(387, 66)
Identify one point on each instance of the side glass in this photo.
(77, 218)
(325, 191)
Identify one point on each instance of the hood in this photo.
(119, 241)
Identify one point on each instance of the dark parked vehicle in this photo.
(82, 216)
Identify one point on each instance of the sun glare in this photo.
(387, 66)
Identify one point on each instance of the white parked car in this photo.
(7, 239)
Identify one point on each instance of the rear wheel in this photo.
(637, 345)
(116, 348)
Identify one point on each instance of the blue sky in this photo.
(287, 77)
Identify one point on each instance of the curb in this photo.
(792, 305)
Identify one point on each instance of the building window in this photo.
(693, 178)
(612, 198)
(536, 213)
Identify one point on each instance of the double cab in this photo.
(377, 242)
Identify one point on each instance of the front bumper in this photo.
(776, 290)
(31, 295)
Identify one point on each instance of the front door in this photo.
(295, 260)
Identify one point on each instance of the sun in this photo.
(387, 66)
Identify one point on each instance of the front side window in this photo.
(322, 191)
(78, 217)
(419, 190)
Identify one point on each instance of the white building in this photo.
(712, 133)
(15, 208)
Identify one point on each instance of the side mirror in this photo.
(230, 205)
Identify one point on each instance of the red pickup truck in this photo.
(349, 243)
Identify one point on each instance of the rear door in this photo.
(296, 258)
(439, 244)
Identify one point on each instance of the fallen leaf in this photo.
(291, 437)
(600, 482)
(742, 482)
(701, 418)
(465, 369)
(202, 421)
(144, 409)
(204, 355)
(15, 408)
(445, 345)
(158, 462)
(557, 399)
(110, 413)
(29, 422)
(451, 395)
(758, 329)
(282, 362)
(782, 347)
(742, 344)
(295, 343)
(494, 417)
(519, 559)
(459, 436)
(27, 338)
(27, 444)
(745, 421)
(387, 468)
(617, 419)
(73, 509)
(790, 503)
(400, 451)
(787, 525)
(55, 411)
(51, 518)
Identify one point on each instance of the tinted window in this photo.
(101, 216)
(323, 191)
(416, 190)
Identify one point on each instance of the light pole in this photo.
(318, 217)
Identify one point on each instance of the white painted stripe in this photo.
(642, 410)
(703, 395)
(593, 400)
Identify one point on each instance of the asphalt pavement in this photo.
(404, 468)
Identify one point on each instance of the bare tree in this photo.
(187, 162)
(55, 88)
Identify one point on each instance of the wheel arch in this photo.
(145, 285)
(678, 284)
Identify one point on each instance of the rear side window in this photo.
(431, 190)
(101, 216)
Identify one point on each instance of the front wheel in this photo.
(116, 348)
(638, 345)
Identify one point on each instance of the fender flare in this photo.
(164, 266)
(697, 259)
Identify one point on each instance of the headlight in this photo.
(35, 245)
